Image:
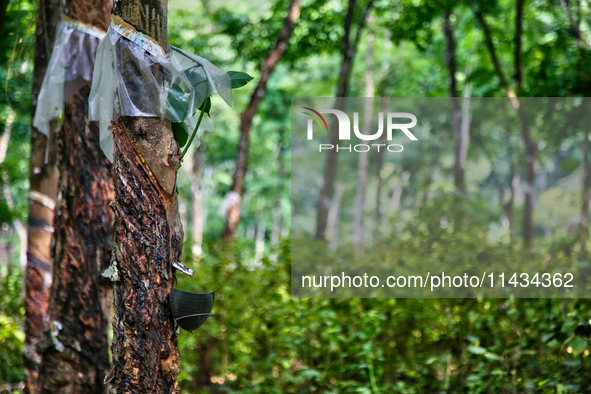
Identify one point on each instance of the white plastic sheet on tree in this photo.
(135, 76)
(70, 67)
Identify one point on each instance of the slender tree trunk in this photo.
(397, 192)
(363, 156)
(197, 205)
(332, 231)
(276, 232)
(233, 215)
(259, 244)
(75, 353)
(450, 59)
(531, 153)
(465, 123)
(586, 194)
(579, 37)
(330, 170)
(42, 194)
(493, 55)
(379, 166)
(531, 146)
(148, 236)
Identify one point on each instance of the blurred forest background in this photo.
(262, 340)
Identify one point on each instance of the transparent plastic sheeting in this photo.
(69, 69)
(134, 76)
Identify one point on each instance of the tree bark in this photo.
(148, 236)
(359, 231)
(233, 215)
(348, 48)
(42, 194)
(75, 354)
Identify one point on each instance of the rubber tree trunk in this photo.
(42, 193)
(531, 146)
(586, 195)
(359, 231)
(348, 48)
(531, 154)
(148, 236)
(277, 220)
(233, 214)
(379, 166)
(450, 59)
(76, 356)
(75, 351)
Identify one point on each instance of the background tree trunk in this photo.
(233, 214)
(75, 354)
(531, 146)
(359, 231)
(334, 213)
(277, 220)
(379, 165)
(148, 236)
(43, 190)
(197, 205)
(531, 153)
(330, 170)
(456, 115)
(586, 195)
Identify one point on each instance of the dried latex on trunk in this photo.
(135, 76)
(69, 69)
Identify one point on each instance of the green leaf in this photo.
(579, 345)
(571, 363)
(239, 79)
(547, 337)
(206, 106)
(180, 134)
(492, 356)
(476, 349)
